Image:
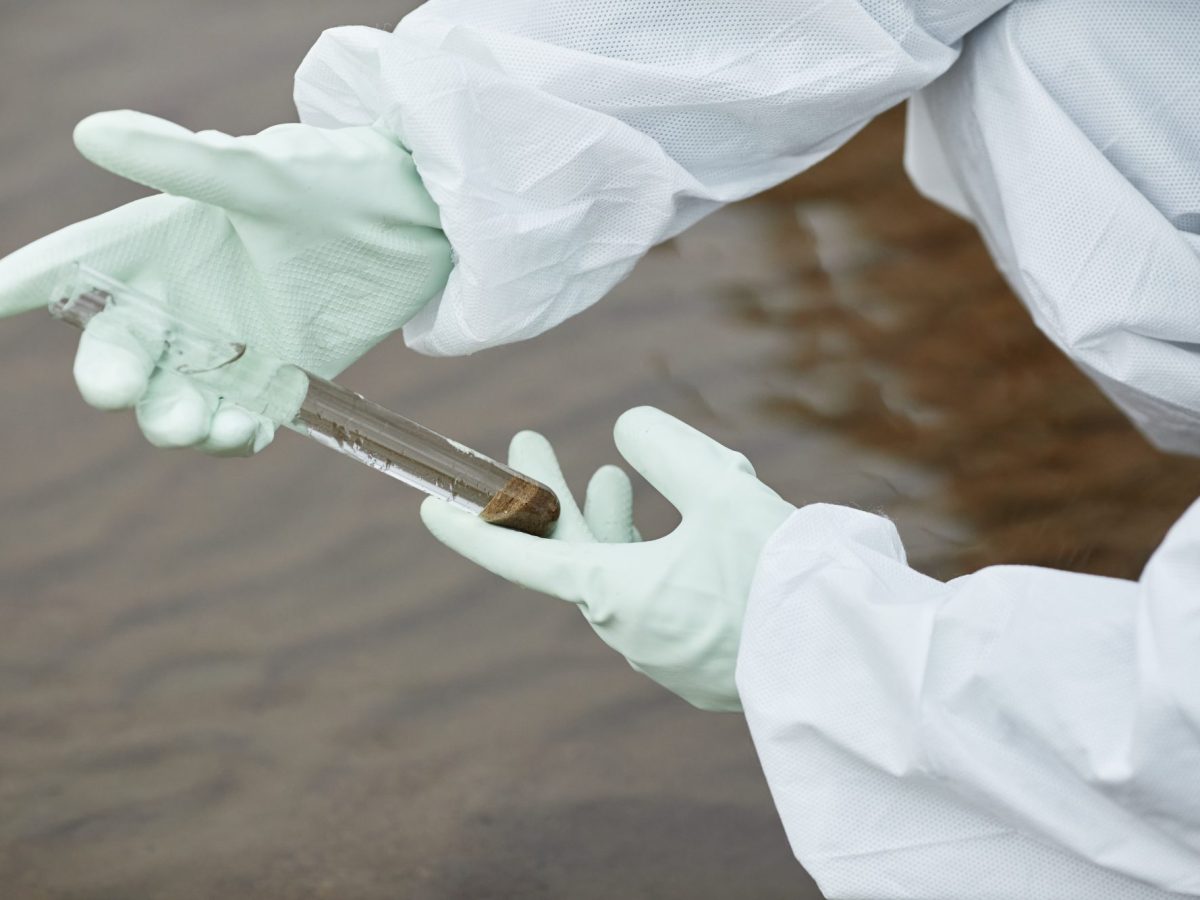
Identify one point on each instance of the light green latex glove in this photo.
(310, 244)
(673, 607)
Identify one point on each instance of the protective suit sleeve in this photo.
(1069, 132)
(1017, 732)
(562, 140)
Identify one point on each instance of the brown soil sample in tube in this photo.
(524, 505)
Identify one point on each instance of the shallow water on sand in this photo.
(265, 679)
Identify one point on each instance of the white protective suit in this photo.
(1017, 732)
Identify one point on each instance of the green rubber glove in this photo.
(673, 607)
(311, 244)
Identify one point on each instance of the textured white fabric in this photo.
(1018, 732)
(1071, 132)
(562, 140)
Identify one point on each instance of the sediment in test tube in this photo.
(524, 505)
(408, 451)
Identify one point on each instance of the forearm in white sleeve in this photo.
(562, 140)
(1017, 732)
(1069, 131)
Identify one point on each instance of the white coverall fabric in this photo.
(1070, 133)
(1017, 732)
(1014, 733)
(562, 140)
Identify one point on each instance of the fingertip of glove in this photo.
(610, 472)
(232, 425)
(443, 518)
(610, 480)
(636, 419)
(110, 378)
(94, 131)
(429, 507)
(178, 419)
(525, 440)
(637, 427)
(237, 432)
(102, 134)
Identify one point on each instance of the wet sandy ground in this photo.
(263, 678)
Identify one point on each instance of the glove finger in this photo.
(236, 431)
(112, 365)
(531, 454)
(558, 568)
(118, 242)
(679, 461)
(608, 508)
(207, 166)
(173, 412)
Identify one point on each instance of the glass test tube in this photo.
(326, 412)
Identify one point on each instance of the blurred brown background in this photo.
(263, 678)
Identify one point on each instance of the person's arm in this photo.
(1070, 133)
(1017, 732)
(562, 140)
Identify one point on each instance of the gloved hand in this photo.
(672, 607)
(310, 244)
